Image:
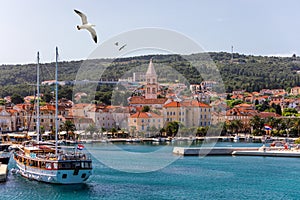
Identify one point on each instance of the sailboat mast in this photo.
(38, 98)
(56, 100)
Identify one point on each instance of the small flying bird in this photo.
(86, 25)
(116, 43)
(122, 47)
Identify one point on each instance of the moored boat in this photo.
(40, 162)
(4, 153)
(45, 162)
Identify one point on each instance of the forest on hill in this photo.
(248, 72)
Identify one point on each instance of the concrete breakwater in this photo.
(210, 151)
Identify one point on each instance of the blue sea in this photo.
(211, 177)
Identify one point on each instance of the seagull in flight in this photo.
(122, 47)
(86, 25)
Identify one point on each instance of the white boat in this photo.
(44, 162)
(236, 138)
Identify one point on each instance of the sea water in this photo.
(211, 177)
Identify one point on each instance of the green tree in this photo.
(201, 131)
(69, 127)
(172, 128)
(16, 99)
(296, 125)
(289, 112)
(146, 109)
(257, 124)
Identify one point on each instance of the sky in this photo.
(255, 27)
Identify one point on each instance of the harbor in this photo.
(187, 176)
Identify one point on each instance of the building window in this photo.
(153, 91)
(134, 120)
(173, 113)
(42, 120)
(142, 127)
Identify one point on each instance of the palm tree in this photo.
(297, 125)
(68, 126)
(257, 123)
(172, 128)
(237, 125)
(201, 131)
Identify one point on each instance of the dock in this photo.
(274, 153)
(3, 172)
(210, 151)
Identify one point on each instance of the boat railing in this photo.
(77, 156)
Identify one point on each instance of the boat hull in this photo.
(66, 176)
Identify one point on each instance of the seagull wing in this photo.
(93, 33)
(122, 47)
(83, 17)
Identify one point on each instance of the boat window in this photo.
(64, 176)
(83, 175)
(48, 166)
(54, 165)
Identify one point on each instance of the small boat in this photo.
(4, 153)
(236, 138)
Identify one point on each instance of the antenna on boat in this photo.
(38, 98)
(56, 101)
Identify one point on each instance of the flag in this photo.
(80, 147)
(268, 128)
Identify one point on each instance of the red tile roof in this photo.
(142, 100)
(145, 115)
(191, 103)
